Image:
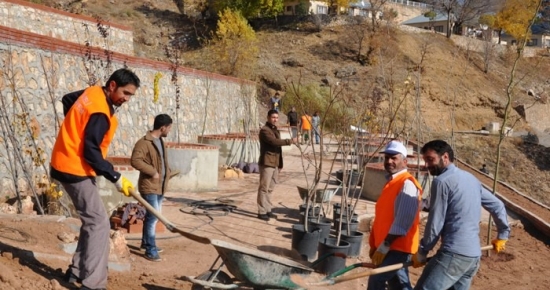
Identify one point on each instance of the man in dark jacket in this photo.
(151, 159)
(271, 162)
(292, 118)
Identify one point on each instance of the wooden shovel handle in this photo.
(382, 270)
(165, 221)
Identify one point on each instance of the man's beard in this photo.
(437, 169)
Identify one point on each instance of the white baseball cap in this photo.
(395, 147)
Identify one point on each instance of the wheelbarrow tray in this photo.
(257, 268)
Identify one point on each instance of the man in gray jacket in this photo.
(151, 159)
(271, 162)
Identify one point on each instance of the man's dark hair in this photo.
(440, 147)
(162, 120)
(123, 77)
(271, 112)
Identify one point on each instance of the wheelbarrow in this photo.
(251, 267)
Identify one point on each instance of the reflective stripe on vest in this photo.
(68, 151)
(385, 215)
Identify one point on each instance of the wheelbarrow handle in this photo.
(384, 269)
(165, 221)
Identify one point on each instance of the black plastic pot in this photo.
(305, 243)
(355, 240)
(337, 208)
(356, 179)
(313, 210)
(324, 224)
(332, 264)
(353, 225)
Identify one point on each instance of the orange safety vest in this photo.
(384, 216)
(306, 122)
(68, 151)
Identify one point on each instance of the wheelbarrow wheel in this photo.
(221, 278)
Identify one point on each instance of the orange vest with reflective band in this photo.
(384, 216)
(67, 154)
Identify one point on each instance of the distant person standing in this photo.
(315, 122)
(150, 158)
(292, 118)
(455, 206)
(271, 162)
(276, 102)
(306, 127)
(78, 156)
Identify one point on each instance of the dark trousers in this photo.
(91, 257)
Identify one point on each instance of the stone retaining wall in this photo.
(43, 20)
(41, 69)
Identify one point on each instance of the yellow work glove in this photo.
(124, 185)
(418, 260)
(380, 253)
(498, 245)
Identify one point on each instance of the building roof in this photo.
(541, 28)
(423, 19)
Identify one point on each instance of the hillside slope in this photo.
(452, 81)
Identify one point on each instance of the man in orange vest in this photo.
(78, 156)
(394, 235)
(306, 127)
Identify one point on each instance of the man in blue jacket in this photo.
(455, 211)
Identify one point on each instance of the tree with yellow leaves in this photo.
(515, 16)
(235, 45)
(251, 8)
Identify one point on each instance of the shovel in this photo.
(302, 282)
(165, 221)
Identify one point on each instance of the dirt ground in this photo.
(32, 258)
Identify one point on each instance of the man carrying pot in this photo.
(271, 162)
(394, 235)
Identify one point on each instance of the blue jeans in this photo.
(448, 271)
(316, 132)
(150, 223)
(398, 279)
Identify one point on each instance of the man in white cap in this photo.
(395, 234)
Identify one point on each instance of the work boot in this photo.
(271, 215)
(263, 217)
(71, 278)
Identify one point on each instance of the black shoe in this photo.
(152, 258)
(87, 288)
(271, 215)
(159, 250)
(71, 278)
(263, 217)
